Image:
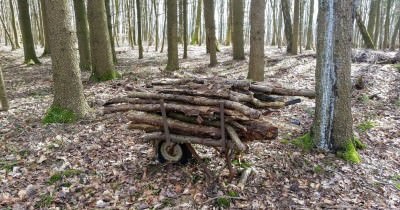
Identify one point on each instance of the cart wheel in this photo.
(173, 152)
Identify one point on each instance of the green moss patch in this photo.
(106, 77)
(63, 174)
(397, 66)
(350, 153)
(358, 144)
(304, 142)
(45, 201)
(366, 125)
(59, 115)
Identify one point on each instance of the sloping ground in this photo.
(99, 163)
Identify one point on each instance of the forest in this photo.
(199, 104)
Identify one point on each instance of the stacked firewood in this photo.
(193, 109)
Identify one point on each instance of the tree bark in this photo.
(185, 29)
(139, 27)
(395, 33)
(3, 95)
(372, 16)
(333, 122)
(288, 25)
(210, 30)
(237, 29)
(196, 34)
(387, 24)
(100, 45)
(296, 24)
(14, 27)
(366, 37)
(310, 26)
(172, 36)
(68, 89)
(46, 50)
(257, 21)
(109, 30)
(82, 31)
(229, 24)
(26, 31)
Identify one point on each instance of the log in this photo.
(235, 138)
(283, 91)
(258, 130)
(244, 177)
(144, 127)
(184, 139)
(130, 101)
(248, 111)
(175, 126)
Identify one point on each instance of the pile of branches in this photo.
(193, 110)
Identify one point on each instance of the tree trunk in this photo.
(109, 30)
(366, 37)
(100, 45)
(46, 50)
(196, 34)
(68, 89)
(3, 95)
(237, 29)
(333, 122)
(229, 24)
(156, 22)
(377, 23)
(372, 16)
(172, 36)
(27, 38)
(82, 31)
(288, 25)
(210, 30)
(395, 33)
(14, 27)
(185, 29)
(257, 21)
(296, 23)
(310, 26)
(387, 24)
(139, 27)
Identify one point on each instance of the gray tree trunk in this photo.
(139, 28)
(288, 25)
(310, 26)
(210, 30)
(68, 89)
(172, 30)
(82, 30)
(257, 21)
(3, 95)
(237, 29)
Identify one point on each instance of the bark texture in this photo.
(237, 29)
(139, 28)
(333, 119)
(257, 21)
(210, 30)
(68, 89)
(172, 30)
(82, 31)
(310, 26)
(3, 95)
(288, 25)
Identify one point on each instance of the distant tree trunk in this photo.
(302, 3)
(257, 21)
(229, 24)
(288, 25)
(372, 16)
(7, 34)
(180, 21)
(210, 30)
(366, 37)
(46, 50)
(196, 34)
(387, 24)
(185, 29)
(156, 22)
(110, 31)
(296, 23)
(279, 33)
(100, 45)
(221, 19)
(68, 89)
(310, 26)
(377, 23)
(395, 33)
(139, 27)
(164, 26)
(82, 31)
(14, 27)
(172, 31)
(27, 38)
(333, 125)
(3, 95)
(237, 29)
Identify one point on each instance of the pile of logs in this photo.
(193, 110)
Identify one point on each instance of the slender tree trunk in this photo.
(257, 21)
(372, 16)
(46, 50)
(100, 45)
(14, 27)
(7, 34)
(164, 26)
(229, 24)
(210, 30)
(377, 23)
(296, 23)
(366, 37)
(185, 29)
(310, 26)
(288, 25)
(82, 30)
(387, 24)
(172, 31)
(237, 29)
(395, 33)
(110, 31)
(27, 38)
(196, 34)
(68, 89)
(332, 128)
(156, 22)
(221, 19)
(3, 95)
(139, 27)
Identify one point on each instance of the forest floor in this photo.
(99, 163)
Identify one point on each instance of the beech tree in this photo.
(288, 25)
(3, 95)
(333, 123)
(68, 89)
(139, 28)
(237, 29)
(172, 36)
(210, 30)
(257, 21)
(82, 30)
(26, 31)
(100, 47)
